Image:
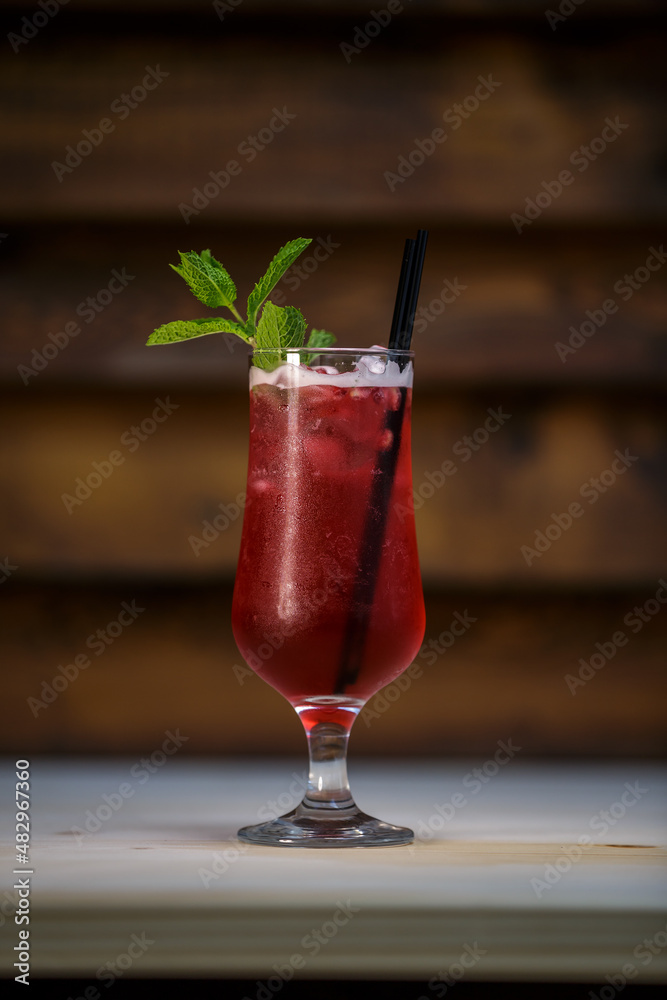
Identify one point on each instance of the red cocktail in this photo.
(328, 604)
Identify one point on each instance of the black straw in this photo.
(398, 321)
(383, 474)
(413, 292)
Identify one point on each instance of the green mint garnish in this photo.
(268, 327)
(280, 263)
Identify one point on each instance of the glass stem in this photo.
(328, 786)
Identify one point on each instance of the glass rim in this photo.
(342, 351)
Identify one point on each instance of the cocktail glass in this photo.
(328, 605)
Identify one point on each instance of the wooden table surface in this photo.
(540, 871)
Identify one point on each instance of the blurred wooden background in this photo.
(497, 301)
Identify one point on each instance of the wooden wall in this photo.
(569, 116)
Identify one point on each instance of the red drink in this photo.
(304, 576)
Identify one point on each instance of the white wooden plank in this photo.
(165, 864)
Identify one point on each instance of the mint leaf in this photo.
(207, 278)
(186, 329)
(318, 338)
(280, 263)
(279, 329)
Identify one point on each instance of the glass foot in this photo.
(307, 827)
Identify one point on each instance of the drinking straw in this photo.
(408, 292)
(383, 474)
(398, 320)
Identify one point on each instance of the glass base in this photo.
(307, 827)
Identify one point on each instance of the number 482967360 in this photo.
(22, 806)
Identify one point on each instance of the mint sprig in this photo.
(267, 327)
(186, 329)
(207, 278)
(280, 263)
